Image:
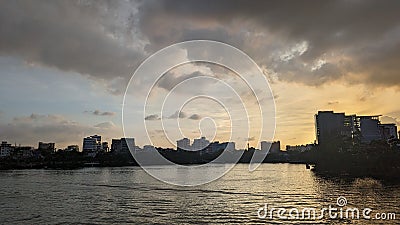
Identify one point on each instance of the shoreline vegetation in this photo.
(377, 160)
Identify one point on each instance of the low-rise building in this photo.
(5, 149)
(299, 148)
(49, 147)
(199, 144)
(183, 144)
(72, 148)
(123, 145)
(388, 131)
(149, 148)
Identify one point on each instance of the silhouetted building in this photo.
(104, 146)
(149, 148)
(332, 126)
(230, 146)
(183, 144)
(5, 149)
(329, 126)
(23, 152)
(115, 145)
(123, 145)
(46, 147)
(216, 146)
(72, 148)
(91, 145)
(369, 127)
(388, 131)
(199, 144)
(272, 147)
(299, 148)
(127, 145)
(351, 127)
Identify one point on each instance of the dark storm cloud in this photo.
(361, 38)
(105, 39)
(67, 35)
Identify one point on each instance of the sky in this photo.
(65, 66)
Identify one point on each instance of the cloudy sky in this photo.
(65, 65)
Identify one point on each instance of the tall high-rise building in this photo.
(329, 126)
(332, 126)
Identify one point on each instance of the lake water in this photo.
(128, 195)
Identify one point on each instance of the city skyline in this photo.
(329, 126)
(67, 80)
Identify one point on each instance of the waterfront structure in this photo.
(230, 146)
(272, 147)
(332, 127)
(388, 131)
(199, 144)
(299, 148)
(216, 146)
(90, 144)
(127, 145)
(72, 148)
(123, 145)
(23, 152)
(369, 127)
(149, 148)
(47, 148)
(5, 149)
(183, 144)
(329, 126)
(115, 145)
(104, 146)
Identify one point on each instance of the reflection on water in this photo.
(129, 195)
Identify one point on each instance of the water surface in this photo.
(127, 195)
